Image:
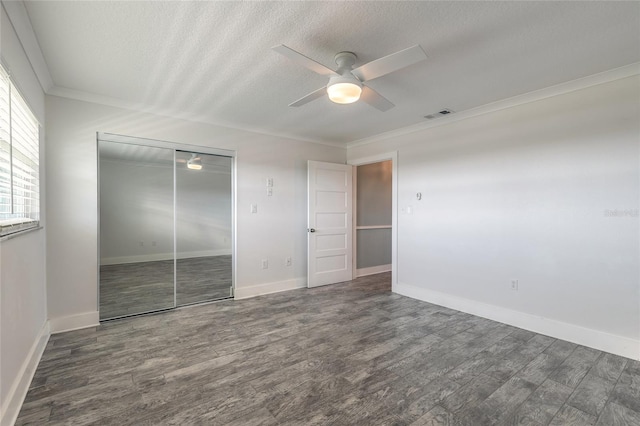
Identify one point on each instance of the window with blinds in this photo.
(19, 161)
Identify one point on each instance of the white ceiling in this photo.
(212, 61)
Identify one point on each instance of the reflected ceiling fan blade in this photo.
(390, 63)
(300, 59)
(375, 99)
(310, 97)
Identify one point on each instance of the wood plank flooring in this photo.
(133, 288)
(346, 354)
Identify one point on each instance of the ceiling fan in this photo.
(193, 163)
(346, 83)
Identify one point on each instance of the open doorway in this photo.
(372, 216)
(375, 215)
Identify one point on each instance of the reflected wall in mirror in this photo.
(136, 229)
(203, 227)
(166, 234)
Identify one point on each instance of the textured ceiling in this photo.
(212, 61)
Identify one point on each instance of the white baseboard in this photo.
(18, 390)
(363, 272)
(162, 256)
(74, 322)
(268, 288)
(596, 339)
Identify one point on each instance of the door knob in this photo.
(311, 230)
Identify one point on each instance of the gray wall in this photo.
(373, 209)
(23, 305)
(277, 231)
(546, 193)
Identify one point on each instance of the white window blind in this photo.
(19, 161)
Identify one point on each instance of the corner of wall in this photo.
(74, 322)
(596, 339)
(18, 391)
(268, 288)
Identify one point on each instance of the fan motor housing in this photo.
(345, 60)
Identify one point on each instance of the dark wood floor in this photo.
(347, 354)
(133, 288)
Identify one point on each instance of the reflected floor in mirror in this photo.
(133, 288)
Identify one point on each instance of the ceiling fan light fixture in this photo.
(344, 90)
(194, 163)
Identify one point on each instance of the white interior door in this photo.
(330, 226)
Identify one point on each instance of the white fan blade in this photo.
(310, 97)
(300, 59)
(390, 63)
(375, 99)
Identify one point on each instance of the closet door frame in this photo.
(174, 146)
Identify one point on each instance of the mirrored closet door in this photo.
(203, 227)
(165, 227)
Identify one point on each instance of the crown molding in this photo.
(548, 92)
(79, 95)
(19, 18)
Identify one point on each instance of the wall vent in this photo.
(438, 114)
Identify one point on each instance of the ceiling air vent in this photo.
(438, 114)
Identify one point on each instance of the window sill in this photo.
(19, 233)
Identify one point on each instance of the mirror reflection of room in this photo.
(203, 227)
(165, 228)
